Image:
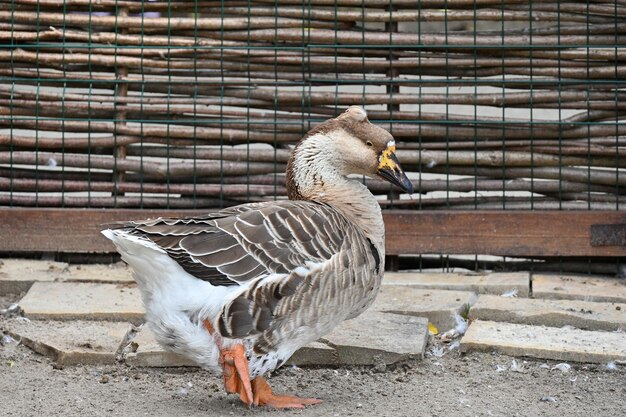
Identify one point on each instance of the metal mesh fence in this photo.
(495, 104)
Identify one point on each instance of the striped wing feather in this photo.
(241, 243)
(251, 242)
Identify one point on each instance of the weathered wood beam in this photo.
(506, 233)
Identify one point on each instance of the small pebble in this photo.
(563, 367)
(548, 399)
(510, 294)
(7, 340)
(104, 379)
(515, 367)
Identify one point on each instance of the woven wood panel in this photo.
(181, 105)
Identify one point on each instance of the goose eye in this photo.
(369, 143)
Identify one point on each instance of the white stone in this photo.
(492, 283)
(562, 344)
(556, 313)
(574, 287)
(83, 301)
(18, 275)
(78, 342)
(374, 337)
(110, 273)
(314, 354)
(150, 353)
(439, 306)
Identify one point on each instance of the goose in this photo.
(239, 290)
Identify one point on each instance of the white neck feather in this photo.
(319, 177)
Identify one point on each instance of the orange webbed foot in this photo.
(237, 379)
(263, 395)
(237, 373)
(234, 366)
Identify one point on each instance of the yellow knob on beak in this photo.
(390, 170)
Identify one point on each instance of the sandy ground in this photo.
(452, 385)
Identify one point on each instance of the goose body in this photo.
(265, 279)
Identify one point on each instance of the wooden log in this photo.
(582, 100)
(419, 15)
(567, 11)
(199, 190)
(163, 23)
(160, 170)
(580, 175)
(421, 41)
(115, 202)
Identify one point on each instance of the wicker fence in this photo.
(495, 104)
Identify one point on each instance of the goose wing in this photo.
(238, 244)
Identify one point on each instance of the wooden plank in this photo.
(511, 233)
(66, 230)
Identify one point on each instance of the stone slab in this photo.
(493, 283)
(555, 313)
(562, 344)
(439, 306)
(18, 275)
(150, 353)
(315, 354)
(573, 287)
(81, 342)
(376, 337)
(83, 301)
(110, 273)
(352, 343)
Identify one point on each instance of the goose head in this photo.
(347, 144)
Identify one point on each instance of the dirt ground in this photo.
(474, 384)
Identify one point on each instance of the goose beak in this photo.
(390, 170)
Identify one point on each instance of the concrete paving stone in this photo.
(439, 306)
(374, 337)
(17, 275)
(492, 283)
(555, 313)
(352, 343)
(314, 354)
(83, 301)
(150, 353)
(111, 273)
(575, 287)
(78, 342)
(562, 344)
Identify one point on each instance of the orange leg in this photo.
(263, 396)
(237, 373)
(235, 368)
(237, 379)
